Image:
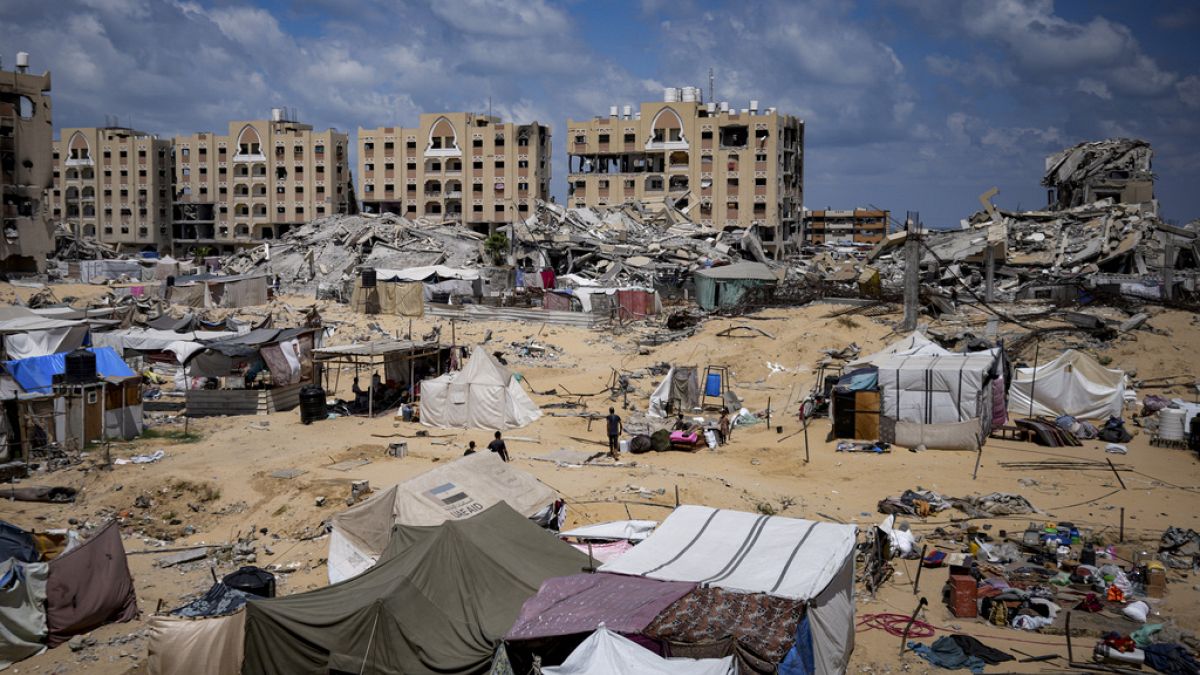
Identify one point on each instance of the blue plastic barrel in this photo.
(712, 385)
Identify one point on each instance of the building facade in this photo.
(861, 226)
(465, 167)
(253, 184)
(727, 168)
(114, 184)
(26, 169)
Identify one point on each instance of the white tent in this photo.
(605, 652)
(451, 491)
(483, 395)
(1073, 384)
(916, 344)
(936, 389)
(26, 334)
(751, 553)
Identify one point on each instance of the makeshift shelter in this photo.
(605, 652)
(26, 334)
(259, 372)
(438, 602)
(204, 637)
(452, 491)
(626, 303)
(483, 395)
(750, 553)
(403, 362)
(726, 286)
(22, 609)
(679, 391)
(211, 290)
(89, 586)
(949, 401)
(1073, 384)
(398, 298)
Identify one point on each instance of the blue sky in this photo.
(909, 104)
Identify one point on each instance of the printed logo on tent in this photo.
(452, 498)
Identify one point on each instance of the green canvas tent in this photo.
(439, 601)
(726, 286)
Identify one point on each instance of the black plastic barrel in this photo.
(170, 280)
(252, 580)
(80, 367)
(368, 277)
(312, 404)
(1194, 434)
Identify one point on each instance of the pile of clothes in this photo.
(960, 651)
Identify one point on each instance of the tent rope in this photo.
(370, 641)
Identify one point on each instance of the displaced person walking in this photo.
(614, 433)
(724, 426)
(497, 446)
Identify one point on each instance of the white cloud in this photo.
(1090, 85)
(1189, 91)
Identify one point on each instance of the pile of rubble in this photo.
(1115, 241)
(328, 251)
(631, 244)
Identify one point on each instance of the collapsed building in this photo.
(26, 235)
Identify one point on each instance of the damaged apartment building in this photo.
(456, 167)
(26, 171)
(113, 184)
(1116, 169)
(252, 185)
(724, 168)
(857, 226)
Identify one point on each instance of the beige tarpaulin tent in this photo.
(483, 395)
(390, 297)
(197, 646)
(452, 491)
(1074, 384)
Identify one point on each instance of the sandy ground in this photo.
(221, 485)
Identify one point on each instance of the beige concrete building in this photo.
(26, 169)
(470, 168)
(251, 185)
(860, 226)
(727, 168)
(114, 184)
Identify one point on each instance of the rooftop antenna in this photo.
(489, 106)
(711, 96)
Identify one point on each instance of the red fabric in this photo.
(548, 279)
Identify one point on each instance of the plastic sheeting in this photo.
(22, 610)
(578, 603)
(633, 530)
(605, 652)
(916, 344)
(785, 557)
(1073, 384)
(37, 374)
(387, 297)
(681, 385)
(937, 389)
(430, 271)
(453, 491)
(483, 395)
(204, 646)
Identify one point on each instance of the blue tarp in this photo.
(36, 374)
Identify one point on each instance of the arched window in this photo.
(433, 187)
(443, 140)
(89, 192)
(72, 193)
(667, 131)
(249, 144)
(79, 151)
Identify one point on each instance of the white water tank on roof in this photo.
(689, 95)
(724, 106)
(754, 107)
(627, 111)
(22, 61)
(670, 95)
(612, 111)
(276, 114)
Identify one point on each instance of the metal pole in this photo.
(911, 620)
(806, 440)
(1122, 534)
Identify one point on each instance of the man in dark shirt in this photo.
(497, 446)
(470, 449)
(614, 433)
